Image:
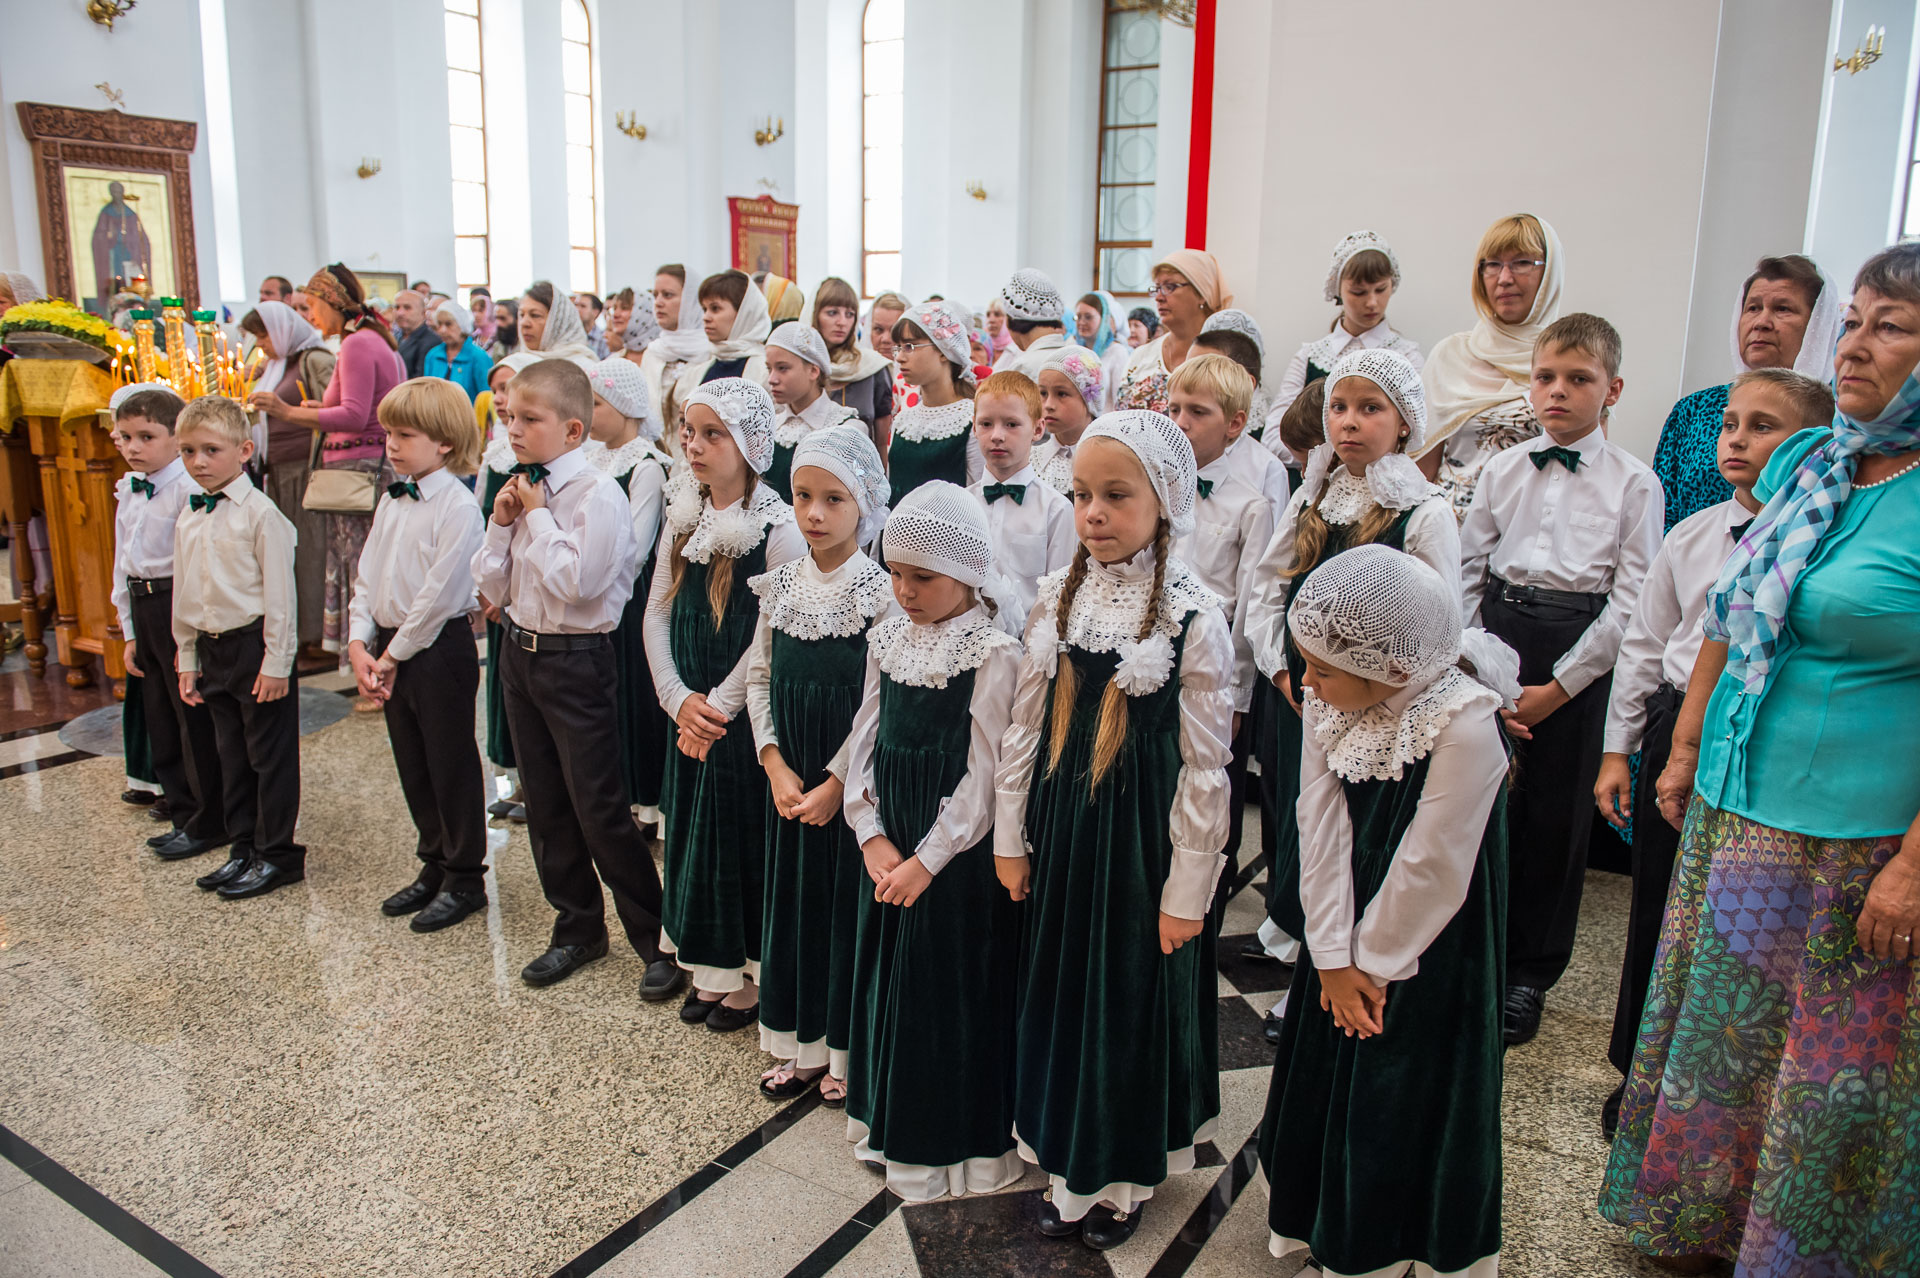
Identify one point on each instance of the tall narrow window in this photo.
(576, 74)
(1129, 149)
(883, 32)
(467, 117)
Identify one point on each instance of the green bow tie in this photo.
(1554, 453)
(534, 471)
(205, 501)
(1206, 488)
(404, 488)
(143, 485)
(994, 492)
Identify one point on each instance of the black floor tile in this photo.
(1250, 975)
(972, 1236)
(1243, 1038)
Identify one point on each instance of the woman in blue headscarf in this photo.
(1772, 1116)
(1099, 325)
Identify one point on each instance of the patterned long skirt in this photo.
(1773, 1114)
(346, 534)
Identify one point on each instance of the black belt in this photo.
(254, 627)
(149, 585)
(532, 642)
(1510, 593)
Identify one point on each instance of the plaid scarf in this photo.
(1747, 607)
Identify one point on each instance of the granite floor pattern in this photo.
(300, 1086)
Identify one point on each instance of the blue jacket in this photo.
(468, 372)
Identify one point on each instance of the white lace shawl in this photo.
(928, 656)
(799, 604)
(732, 532)
(921, 423)
(620, 461)
(1380, 742)
(1105, 617)
(1393, 481)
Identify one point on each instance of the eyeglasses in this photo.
(1519, 266)
(1166, 288)
(908, 348)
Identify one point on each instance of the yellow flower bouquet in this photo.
(56, 319)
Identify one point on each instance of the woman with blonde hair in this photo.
(1187, 287)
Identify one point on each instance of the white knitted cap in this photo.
(848, 455)
(746, 410)
(1344, 252)
(946, 328)
(1164, 454)
(1379, 613)
(126, 393)
(1030, 295)
(805, 342)
(1081, 367)
(1236, 321)
(619, 381)
(943, 528)
(1391, 372)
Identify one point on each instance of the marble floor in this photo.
(300, 1086)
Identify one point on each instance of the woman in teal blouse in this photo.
(1773, 1113)
(459, 358)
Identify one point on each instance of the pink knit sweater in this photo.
(366, 371)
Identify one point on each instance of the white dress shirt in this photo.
(1031, 538)
(1432, 864)
(1663, 639)
(1052, 463)
(1197, 825)
(232, 566)
(1594, 531)
(967, 814)
(1326, 351)
(790, 428)
(1232, 526)
(416, 570)
(143, 528)
(566, 568)
(1268, 471)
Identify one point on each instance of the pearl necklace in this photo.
(1890, 478)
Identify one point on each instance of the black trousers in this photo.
(259, 745)
(1550, 806)
(567, 742)
(430, 725)
(1655, 844)
(186, 757)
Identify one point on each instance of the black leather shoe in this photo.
(725, 1020)
(162, 837)
(697, 1009)
(663, 980)
(517, 814)
(1105, 1229)
(1271, 1023)
(448, 908)
(1049, 1223)
(562, 961)
(500, 807)
(161, 810)
(139, 798)
(1520, 1014)
(1610, 1112)
(413, 896)
(237, 862)
(180, 845)
(259, 880)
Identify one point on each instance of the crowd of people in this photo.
(941, 652)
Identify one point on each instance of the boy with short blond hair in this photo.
(235, 631)
(1553, 553)
(1031, 523)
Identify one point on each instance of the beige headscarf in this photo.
(1491, 363)
(1203, 272)
(751, 324)
(564, 337)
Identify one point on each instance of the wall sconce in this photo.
(368, 166)
(772, 132)
(630, 125)
(977, 191)
(105, 11)
(1864, 55)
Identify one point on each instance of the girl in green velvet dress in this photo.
(930, 1081)
(1381, 1141)
(797, 369)
(701, 616)
(1112, 815)
(933, 437)
(803, 685)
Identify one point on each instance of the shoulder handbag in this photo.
(338, 492)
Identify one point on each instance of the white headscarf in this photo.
(289, 334)
(23, 287)
(564, 337)
(1491, 363)
(462, 317)
(689, 340)
(1817, 344)
(751, 324)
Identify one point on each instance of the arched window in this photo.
(576, 77)
(1129, 148)
(882, 36)
(467, 125)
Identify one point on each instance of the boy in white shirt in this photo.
(412, 648)
(1764, 407)
(234, 633)
(1553, 552)
(1031, 524)
(560, 555)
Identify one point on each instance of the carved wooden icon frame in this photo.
(69, 137)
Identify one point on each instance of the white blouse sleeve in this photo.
(1198, 824)
(1020, 748)
(1434, 862)
(729, 696)
(645, 502)
(967, 813)
(656, 631)
(760, 687)
(838, 765)
(1267, 608)
(1291, 385)
(1656, 616)
(976, 464)
(1433, 536)
(857, 803)
(1326, 854)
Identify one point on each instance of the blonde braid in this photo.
(1066, 679)
(1111, 735)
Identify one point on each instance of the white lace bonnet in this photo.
(1391, 372)
(1233, 320)
(805, 341)
(1347, 249)
(1164, 454)
(1081, 367)
(943, 528)
(849, 456)
(946, 328)
(746, 410)
(619, 381)
(1030, 295)
(1378, 613)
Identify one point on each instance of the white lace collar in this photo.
(620, 461)
(789, 427)
(922, 424)
(798, 599)
(1393, 481)
(731, 530)
(1106, 614)
(1053, 463)
(1382, 741)
(928, 656)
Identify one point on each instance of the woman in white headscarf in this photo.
(1476, 382)
(458, 358)
(733, 314)
(550, 324)
(17, 288)
(298, 367)
(682, 340)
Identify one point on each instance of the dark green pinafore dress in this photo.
(646, 730)
(499, 740)
(913, 462)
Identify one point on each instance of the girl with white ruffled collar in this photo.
(701, 616)
(932, 1050)
(804, 676)
(933, 436)
(1360, 488)
(1112, 813)
(1389, 1062)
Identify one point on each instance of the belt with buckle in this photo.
(1510, 593)
(254, 627)
(149, 585)
(529, 641)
